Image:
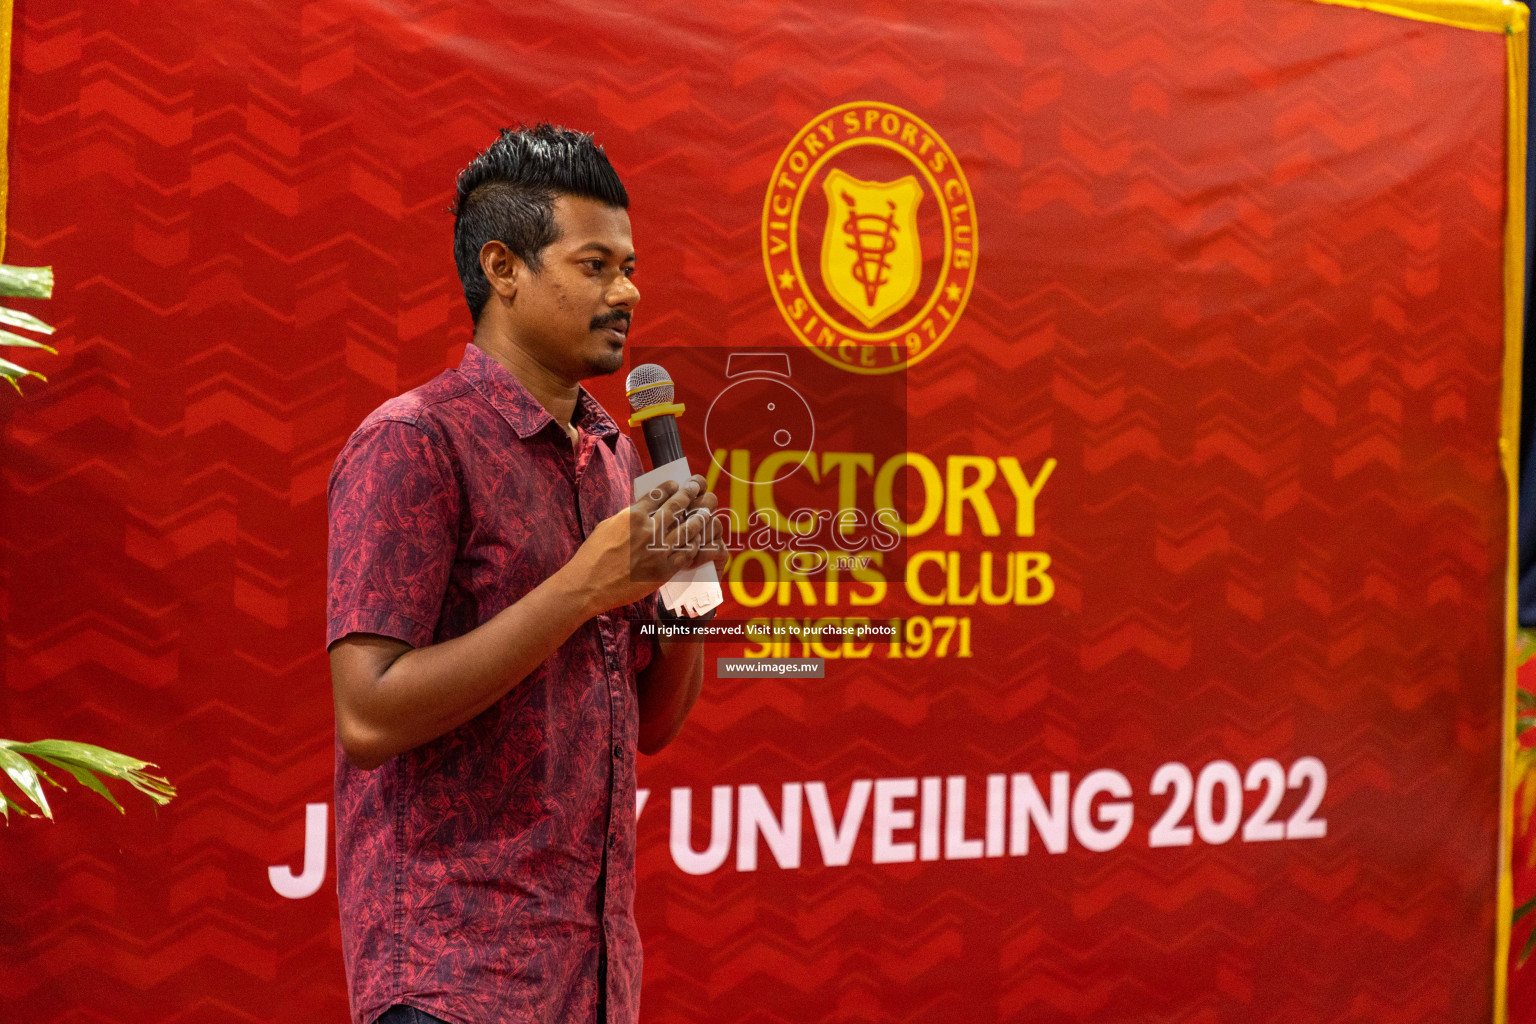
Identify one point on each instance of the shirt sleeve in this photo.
(394, 515)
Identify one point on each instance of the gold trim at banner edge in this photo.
(1478, 15)
(1516, 51)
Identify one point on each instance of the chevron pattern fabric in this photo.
(1238, 275)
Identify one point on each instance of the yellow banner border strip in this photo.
(1478, 15)
(1517, 58)
(1513, 20)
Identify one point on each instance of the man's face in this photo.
(574, 313)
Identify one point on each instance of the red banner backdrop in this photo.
(1195, 712)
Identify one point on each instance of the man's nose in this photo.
(624, 294)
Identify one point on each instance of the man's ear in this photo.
(503, 270)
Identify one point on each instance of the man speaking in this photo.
(488, 577)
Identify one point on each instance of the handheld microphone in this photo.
(650, 392)
(692, 592)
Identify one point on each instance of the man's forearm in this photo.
(416, 695)
(667, 690)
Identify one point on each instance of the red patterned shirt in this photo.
(488, 875)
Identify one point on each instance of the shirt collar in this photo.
(520, 409)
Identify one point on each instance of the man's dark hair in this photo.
(507, 193)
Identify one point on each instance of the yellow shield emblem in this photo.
(871, 256)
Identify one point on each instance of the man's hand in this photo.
(632, 553)
(711, 534)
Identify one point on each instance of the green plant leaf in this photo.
(26, 282)
(8, 805)
(17, 341)
(1525, 700)
(24, 321)
(1523, 759)
(102, 761)
(25, 775)
(1525, 645)
(1514, 919)
(1524, 722)
(86, 779)
(13, 373)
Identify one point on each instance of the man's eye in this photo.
(629, 271)
(595, 264)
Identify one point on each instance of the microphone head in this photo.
(648, 385)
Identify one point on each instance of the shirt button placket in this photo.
(613, 698)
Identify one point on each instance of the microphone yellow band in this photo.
(652, 411)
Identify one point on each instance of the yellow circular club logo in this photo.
(869, 237)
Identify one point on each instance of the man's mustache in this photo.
(613, 319)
